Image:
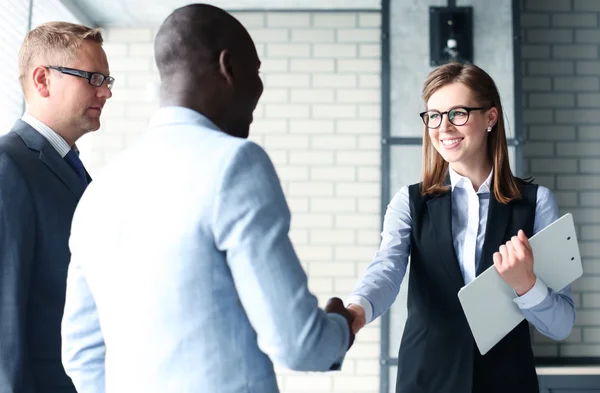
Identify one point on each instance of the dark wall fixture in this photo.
(450, 34)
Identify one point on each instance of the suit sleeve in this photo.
(83, 347)
(17, 237)
(251, 224)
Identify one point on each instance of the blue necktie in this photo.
(73, 160)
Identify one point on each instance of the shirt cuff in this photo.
(534, 296)
(364, 303)
(341, 320)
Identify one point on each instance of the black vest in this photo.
(438, 353)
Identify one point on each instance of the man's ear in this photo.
(41, 81)
(225, 66)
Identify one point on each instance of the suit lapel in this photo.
(499, 215)
(50, 157)
(65, 173)
(440, 217)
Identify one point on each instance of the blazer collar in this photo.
(49, 156)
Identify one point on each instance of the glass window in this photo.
(405, 166)
(14, 23)
(14, 20)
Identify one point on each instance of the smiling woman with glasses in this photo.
(94, 78)
(468, 213)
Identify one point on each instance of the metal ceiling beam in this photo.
(81, 15)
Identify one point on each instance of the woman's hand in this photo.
(514, 262)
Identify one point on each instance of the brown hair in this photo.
(435, 168)
(52, 43)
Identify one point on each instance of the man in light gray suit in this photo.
(64, 75)
(183, 277)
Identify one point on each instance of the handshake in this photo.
(354, 314)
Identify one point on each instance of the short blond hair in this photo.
(53, 43)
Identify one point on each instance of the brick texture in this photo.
(561, 83)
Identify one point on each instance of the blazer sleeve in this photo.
(17, 237)
(251, 223)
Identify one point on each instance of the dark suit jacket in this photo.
(38, 195)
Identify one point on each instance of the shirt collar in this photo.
(457, 180)
(55, 140)
(171, 115)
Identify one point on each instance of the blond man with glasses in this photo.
(66, 81)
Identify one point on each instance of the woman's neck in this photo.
(476, 173)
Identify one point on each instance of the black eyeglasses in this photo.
(94, 78)
(458, 116)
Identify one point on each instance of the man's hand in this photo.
(514, 263)
(335, 305)
(358, 314)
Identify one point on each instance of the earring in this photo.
(489, 129)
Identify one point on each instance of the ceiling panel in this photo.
(153, 12)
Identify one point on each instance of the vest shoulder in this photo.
(528, 188)
(415, 187)
(526, 182)
(414, 193)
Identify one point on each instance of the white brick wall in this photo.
(561, 86)
(319, 120)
